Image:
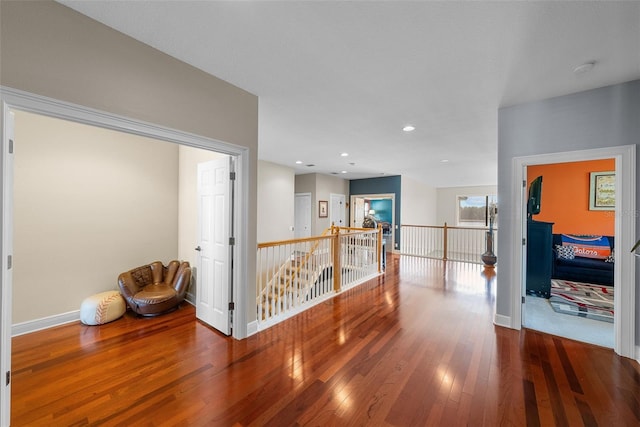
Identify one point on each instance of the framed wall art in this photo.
(602, 191)
(323, 208)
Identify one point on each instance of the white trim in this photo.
(20, 100)
(252, 328)
(500, 320)
(625, 230)
(45, 323)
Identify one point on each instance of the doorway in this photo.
(571, 246)
(382, 208)
(624, 268)
(302, 213)
(336, 210)
(13, 100)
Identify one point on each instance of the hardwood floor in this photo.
(414, 348)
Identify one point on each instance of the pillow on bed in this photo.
(596, 247)
(565, 252)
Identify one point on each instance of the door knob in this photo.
(198, 248)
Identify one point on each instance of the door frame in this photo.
(391, 196)
(12, 99)
(625, 232)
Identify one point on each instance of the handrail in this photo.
(292, 241)
(444, 242)
(450, 227)
(299, 273)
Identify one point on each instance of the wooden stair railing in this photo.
(294, 267)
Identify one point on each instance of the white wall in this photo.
(276, 202)
(419, 203)
(325, 186)
(89, 203)
(321, 187)
(447, 201)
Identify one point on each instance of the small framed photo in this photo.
(323, 208)
(602, 191)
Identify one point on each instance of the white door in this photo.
(213, 286)
(336, 210)
(302, 226)
(357, 211)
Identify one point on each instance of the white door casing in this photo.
(625, 232)
(7, 271)
(214, 212)
(302, 226)
(337, 210)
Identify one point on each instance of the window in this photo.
(475, 211)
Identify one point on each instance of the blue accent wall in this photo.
(382, 185)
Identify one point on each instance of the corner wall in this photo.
(276, 202)
(604, 117)
(89, 203)
(419, 203)
(51, 50)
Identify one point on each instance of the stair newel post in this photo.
(379, 251)
(446, 237)
(337, 268)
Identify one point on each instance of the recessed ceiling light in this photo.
(409, 128)
(344, 154)
(298, 162)
(444, 161)
(344, 171)
(583, 68)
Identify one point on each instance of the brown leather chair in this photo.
(155, 289)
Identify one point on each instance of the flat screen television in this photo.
(535, 197)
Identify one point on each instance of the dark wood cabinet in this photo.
(539, 257)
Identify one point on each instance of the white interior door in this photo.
(214, 250)
(357, 212)
(337, 210)
(302, 226)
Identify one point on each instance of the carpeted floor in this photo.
(582, 299)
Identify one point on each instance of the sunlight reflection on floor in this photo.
(461, 277)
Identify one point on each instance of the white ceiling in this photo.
(337, 77)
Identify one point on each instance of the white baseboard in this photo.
(44, 323)
(500, 320)
(190, 298)
(252, 328)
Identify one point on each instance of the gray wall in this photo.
(604, 117)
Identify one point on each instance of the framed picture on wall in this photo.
(323, 208)
(602, 191)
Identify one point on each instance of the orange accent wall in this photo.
(565, 197)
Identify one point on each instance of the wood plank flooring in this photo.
(416, 347)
